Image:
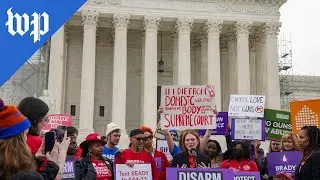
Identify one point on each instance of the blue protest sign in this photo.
(25, 26)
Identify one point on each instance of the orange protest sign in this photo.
(304, 113)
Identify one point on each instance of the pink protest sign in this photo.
(188, 107)
(55, 120)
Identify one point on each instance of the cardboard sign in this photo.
(246, 176)
(283, 162)
(162, 145)
(246, 106)
(188, 107)
(56, 120)
(304, 113)
(248, 129)
(198, 174)
(137, 172)
(278, 123)
(69, 169)
(222, 124)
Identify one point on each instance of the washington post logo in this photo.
(18, 24)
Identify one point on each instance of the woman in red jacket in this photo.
(160, 157)
(240, 159)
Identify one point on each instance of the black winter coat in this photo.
(310, 170)
(86, 171)
(183, 158)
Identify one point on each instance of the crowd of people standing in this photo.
(22, 154)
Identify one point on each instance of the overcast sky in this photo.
(300, 23)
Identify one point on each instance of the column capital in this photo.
(151, 23)
(243, 28)
(184, 25)
(231, 34)
(223, 41)
(272, 29)
(214, 26)
(203, 34)
(121, 21)
(67, 32)
(90, 17)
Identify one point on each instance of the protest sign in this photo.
(283, 162)
(198, 174)
(246, 106)
(278, 123)
(248, 129)
(55, 120)
(246, 176)
(137, 172)
(304, 113)
(188, 107)
(158, 163)
(162, 145)
(222, 124)
(69, 169)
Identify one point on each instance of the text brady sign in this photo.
(198, 174)
(278, 123)
(246, 106)
(188, 107)
(283, 162)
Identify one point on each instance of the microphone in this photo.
(194, 152)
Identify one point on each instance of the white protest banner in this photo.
(137, 172)
(246, 106)
(162, 145)
(248, 129)
(188, 107)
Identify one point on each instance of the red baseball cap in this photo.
(91, 138)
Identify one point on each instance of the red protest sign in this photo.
(55, 120)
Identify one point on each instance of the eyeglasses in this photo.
(149, 138)
(140, 139)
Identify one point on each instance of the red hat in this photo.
(91, 138)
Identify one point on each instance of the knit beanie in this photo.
(12, 122)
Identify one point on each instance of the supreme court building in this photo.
(105, 61)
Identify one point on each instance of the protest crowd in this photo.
(192, 154)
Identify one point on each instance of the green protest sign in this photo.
(278, 123)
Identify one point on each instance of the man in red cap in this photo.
(136, 153)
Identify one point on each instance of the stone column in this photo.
(56, 69)
(90, 22)
(214, 74)
(273, 85)
(243, 71)
(261, 64)
(175, 72)
(232, 59)
(204, 58)
(150, 73)
(252, 62)
(184, 27)
(119, 93)
(224, 72)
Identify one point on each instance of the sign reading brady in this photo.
(283, 162)
(246, 106)
(186, 107)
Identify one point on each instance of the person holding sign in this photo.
(160, 158)
(190, 157)
(240, 159)
(92, 165)
(309, 168)
(136, 153)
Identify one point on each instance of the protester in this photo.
(289, 142)
(35, 110)
(104, 138)
(93, 165)
(240, 160)
(274, 146)
(309, 140)
(191, 156)
(213, 151)
(136, 154)
(73, 149)
(15, 156)
(148, 146)
(113, 134)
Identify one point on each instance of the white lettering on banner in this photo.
(38, 20)
(245, 177)
(285, 168)
(246, 106)
(199, 176)
(188, 106)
